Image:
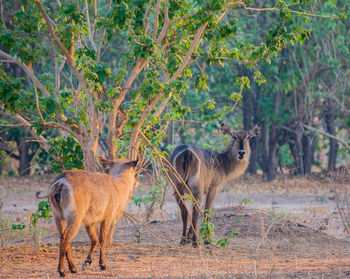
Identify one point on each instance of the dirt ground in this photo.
(291, 229)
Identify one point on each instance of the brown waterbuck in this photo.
(205, 170)
(80, 196)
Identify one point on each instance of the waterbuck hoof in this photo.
(87, 261)
(194, 244)
(206, 242)
(62, 273)
(102, 266)
(184, 241)
(73, 269)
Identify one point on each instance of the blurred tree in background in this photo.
(87, 77)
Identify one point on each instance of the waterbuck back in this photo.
(91, 198)
(205, 170)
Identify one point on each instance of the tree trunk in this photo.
(333, 144)
(89, 160)
(265, 146)
(297, 150)
(272, 162)
(252, 167)
(24, 158)
(309, 146)
(169, 140)
(89, 148)
(117, 132)
(247, 111)
(247, 125)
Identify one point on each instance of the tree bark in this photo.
(272, 162)
(265, 146)
(24, 158)
(247, 125)
(89, 159)
(119, 124)
(333, 144)
(309, 146)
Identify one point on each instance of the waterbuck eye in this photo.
(235, 137)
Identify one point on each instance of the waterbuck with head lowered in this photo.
(81, 196)
(205, 170)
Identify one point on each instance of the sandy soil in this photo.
(290, 230)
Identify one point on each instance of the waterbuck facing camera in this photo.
(205, 170)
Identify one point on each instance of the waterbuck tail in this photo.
(37, 195)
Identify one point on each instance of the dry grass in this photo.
(269, 245)
(149, 261)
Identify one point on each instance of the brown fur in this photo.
(80, 196)
(205, 170)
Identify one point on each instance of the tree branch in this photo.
(133, 146)
(2, 14)
(145, 21)
(70, 58)
(53, 124)
(156, 19)
(11, 153)
(241, 3)
(43, 142)
(166, 25)
(37, 104)
(216, 58)
(89, 26)
(183, 18)
(194, 45)
(27, 70)
(346, 144)
(162, 107)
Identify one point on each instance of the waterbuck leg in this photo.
(111, 232)
(184, 216)
(105, 228)
(91, 231)
(61, 226)
(60, 268)
(72, 268)
(65, 249)
(192, 233)
(209, 203)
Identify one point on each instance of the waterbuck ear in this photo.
(226, 130)
(106, 164)
(131, 164)
(256, 130)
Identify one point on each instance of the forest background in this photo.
(80, 79)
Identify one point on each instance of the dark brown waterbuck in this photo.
(205, 170)
(91, 198)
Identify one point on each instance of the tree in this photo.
(290, 104)
(108, 70)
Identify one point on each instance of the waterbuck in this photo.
(205, 170)
(80, 196)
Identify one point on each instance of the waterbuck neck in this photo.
(228, 162)
(127, 181)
